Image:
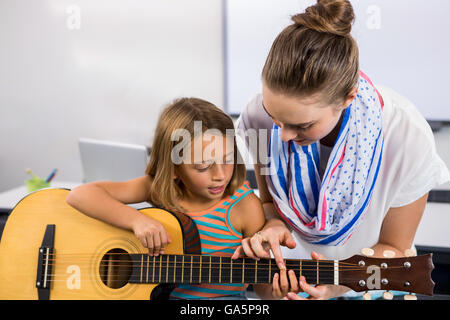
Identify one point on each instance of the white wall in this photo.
(403, 44)
(106, 80)
(100, 69)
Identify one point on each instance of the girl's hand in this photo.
(274, 234)
(152, 234)
(319, 292)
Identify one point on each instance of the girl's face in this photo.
(302, 120)
(206, 179)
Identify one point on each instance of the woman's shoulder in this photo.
(403, 123)
(253, 115)
(412, 165)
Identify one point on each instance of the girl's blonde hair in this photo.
(181, 114)
(315, 54)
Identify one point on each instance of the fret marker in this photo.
(142, 264)
(300, 268)
(243, 270)
(174, 268)
(192, 259)
(210, 269)
(167, 269)
(148, 257)
(256, 271)
(182, 270)
(160, 268)
(231, 272)
(200, 275)
(317, 268)
(270, 271)
(154, 262)
(220, 270)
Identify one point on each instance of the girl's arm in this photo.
(247, 216)
(106, 201)
(275, 232)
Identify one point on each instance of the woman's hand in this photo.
(319, 292)
(151, 233)
(274, 235)
(284, 283)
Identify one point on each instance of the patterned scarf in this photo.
(328, 211)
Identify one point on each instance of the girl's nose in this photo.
(218, 172)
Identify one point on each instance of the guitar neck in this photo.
(213, 269)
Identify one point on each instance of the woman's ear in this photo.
(350, 97)
(348, 100)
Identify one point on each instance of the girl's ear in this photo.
(176, 175)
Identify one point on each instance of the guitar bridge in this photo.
(45, 263)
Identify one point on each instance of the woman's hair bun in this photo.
(331, 16)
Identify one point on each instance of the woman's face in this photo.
(303, 120)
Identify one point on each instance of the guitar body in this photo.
(81, 244)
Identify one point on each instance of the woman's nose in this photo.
(288, 134)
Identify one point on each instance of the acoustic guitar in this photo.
(49, 250)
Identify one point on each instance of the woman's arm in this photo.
(397, 234)
(399, 228)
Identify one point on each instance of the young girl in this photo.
(353, 162)
(200, 178)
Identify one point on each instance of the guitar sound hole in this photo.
(115, 268)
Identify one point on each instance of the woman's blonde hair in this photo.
(315, 54)
(182, 114)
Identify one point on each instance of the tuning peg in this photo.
(388, 253)
(409, 297)
(367, 296)
(410, 253)
(367, 252)
(388, 295)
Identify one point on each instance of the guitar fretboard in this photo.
(213, 269)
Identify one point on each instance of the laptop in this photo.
(112, 161)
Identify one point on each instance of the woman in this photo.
(350, 165)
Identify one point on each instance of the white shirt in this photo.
(410, 168)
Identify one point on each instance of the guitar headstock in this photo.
(410, 274)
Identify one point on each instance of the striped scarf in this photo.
(328, 211)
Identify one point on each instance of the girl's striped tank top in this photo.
(217, 238)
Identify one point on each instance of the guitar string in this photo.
(90, 256)
(234, 263)
(137, 263)
(169, 279)
(206, 265)
(203, 267)
(246, 264)
(264, 262)
(311, 280)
